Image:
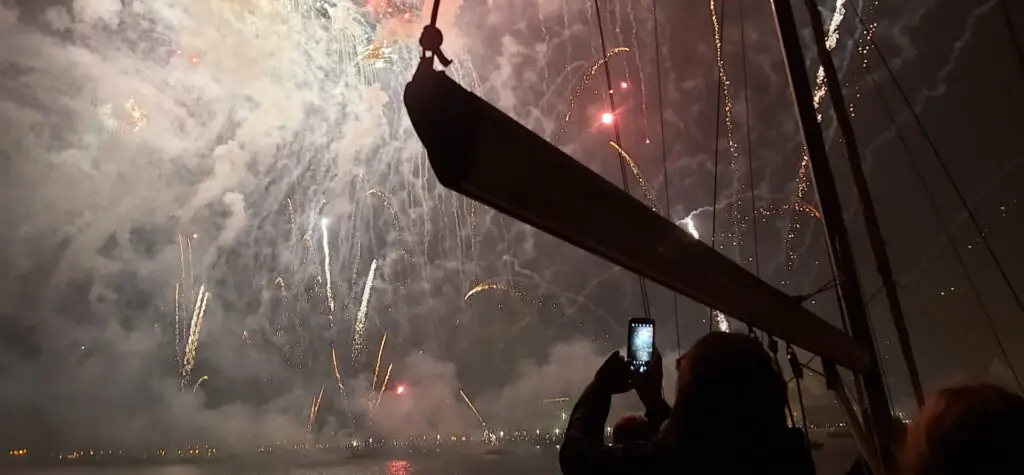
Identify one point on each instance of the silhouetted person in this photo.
(729, 417)
(633, 428)
(969, 429)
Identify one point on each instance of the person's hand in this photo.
(648, 383)
(613, 376)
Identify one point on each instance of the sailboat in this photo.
(480, 152)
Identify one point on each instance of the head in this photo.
(966, 429)
(727, 385)
(631, 428)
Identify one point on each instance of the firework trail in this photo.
(471, 406)
(582, 86)
(130, 118)
(389, 207)
(341, 386)
(556, 399)
(547, 41)
(193, 335)
(359, 330)
(337, 373)
(396, 222)
(799, 204)
(383, 385)
(644, 186)
(485, 286)
(191, 268)
(768, 210)
(291, 213)
(314, 408)
(327, 269)
(515, 290)
(177, 322)
(736, 219)
(831, 40)
(377, 55)
(376, 367)
(640, 72)
(204, 378)
(721, 322)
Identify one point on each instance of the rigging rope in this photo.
(945, 169)
(664, 151)
(618, 138)
(1008, 16)
(750, 148)
(750, 153)
(773, 348)
(798, 373)
(933, 203)
(718, 129)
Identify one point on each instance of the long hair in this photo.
(966, 429)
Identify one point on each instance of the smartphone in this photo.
(640, 347)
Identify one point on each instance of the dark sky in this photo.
(129, 127)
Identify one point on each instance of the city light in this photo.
(607, 118)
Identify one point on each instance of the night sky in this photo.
(255, 136)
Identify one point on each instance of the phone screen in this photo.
(640, 349)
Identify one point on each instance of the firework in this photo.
(129, 118)
(799, 204)
(582, 86)
(177, 322)
(377, 55)
(514, 289)
(376, 368)
(721, 322)
(485, 286)
(644, 187)
(204, 378)
(341, 386)
(556, 399)
(359, 330)
(736, 219)
(396, 223)
(383, 385)
(193, 336)
(471, 406)
(389, 206)
(327, 269)
(314, 408)
(337, 373)
(831, 40)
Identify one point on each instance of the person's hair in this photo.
(966, 429)
(728, 385)
(630, 428)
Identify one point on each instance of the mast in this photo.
(860, 181)
(877, 414)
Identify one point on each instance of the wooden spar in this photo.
(478, 151)
(860, 181)
(878, 415)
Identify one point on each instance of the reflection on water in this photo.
(833, 459)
